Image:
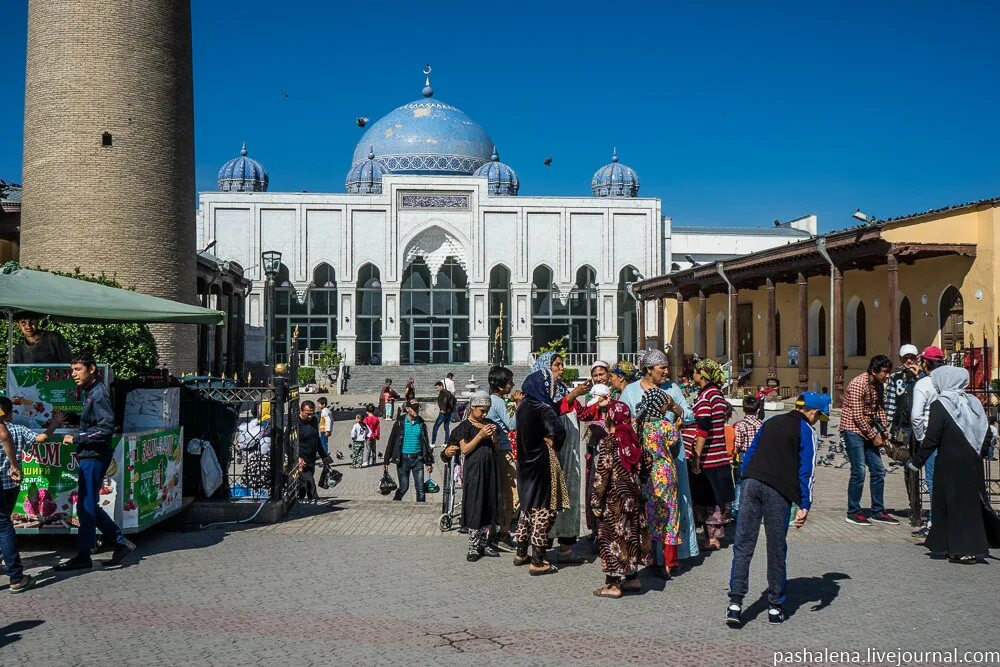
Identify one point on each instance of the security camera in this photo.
(858, 215)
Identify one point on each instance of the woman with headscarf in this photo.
(566, 528)
(964, 527)
(650, 405)
(482, 504)
(619, 468)
(711, 480)
(541, 486)
(678, 415)
(620, 376)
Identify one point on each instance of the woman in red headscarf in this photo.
(617, 502)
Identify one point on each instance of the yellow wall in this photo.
(924, 279)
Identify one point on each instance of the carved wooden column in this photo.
(702, 347)
(838, 333)
(892, 266)
(678, 369)
(642, 325)
(803, 333)
(771, 350)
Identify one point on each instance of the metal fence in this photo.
(263, 459)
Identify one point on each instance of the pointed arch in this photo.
(905, 321)
(628, 332)
(857, 328)
(368, 315)
(720, 336)
(817, 329)
(951, 319)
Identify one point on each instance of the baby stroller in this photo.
(450, 505)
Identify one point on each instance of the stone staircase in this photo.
(369, 379)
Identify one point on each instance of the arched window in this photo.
(571, 316)
(500, 315)
(368, 316)
(777, 332)
(434, 317)
(628, 334)
(905, 322)
(857, 328)
(817, 329)
(951, 318)
(288, 313)
(721, 335)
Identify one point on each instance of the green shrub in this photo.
(328, 356)
(307, 375)
(571, 375)
(126, 348)
(558, 346)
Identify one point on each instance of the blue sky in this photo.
(731, 114)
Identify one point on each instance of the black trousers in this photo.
(758, 501)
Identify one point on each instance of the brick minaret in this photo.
(109, 149)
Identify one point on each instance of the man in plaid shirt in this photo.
(744, 431)
(863, 430)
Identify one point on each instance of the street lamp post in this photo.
(270, 261)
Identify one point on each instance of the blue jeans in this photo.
(442, 418)
(410, 463)
(929, 479)
(760, 503)
(8, 538)
(324, 444)
(862, 453)
(90, 476)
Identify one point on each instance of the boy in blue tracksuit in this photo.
(777, 471)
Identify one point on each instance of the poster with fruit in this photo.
(47, 500)
(38, 389)
(152, 481)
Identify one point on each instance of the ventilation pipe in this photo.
(821, 247)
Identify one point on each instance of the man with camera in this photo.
(898, 403)
(862, 427)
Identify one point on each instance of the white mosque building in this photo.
(430, 252)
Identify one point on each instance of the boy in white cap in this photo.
(898, 403)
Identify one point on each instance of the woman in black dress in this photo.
(482, 505)
(964, 526)
(541, 486)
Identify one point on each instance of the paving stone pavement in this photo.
(359, 579)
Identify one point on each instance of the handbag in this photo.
(430, 486)
(387, 485)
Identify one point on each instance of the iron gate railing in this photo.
(265, 452)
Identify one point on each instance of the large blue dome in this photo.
(243, 174)
(501, 178)
(426, 137)
(615, 180)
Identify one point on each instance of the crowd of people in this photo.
(663, 471)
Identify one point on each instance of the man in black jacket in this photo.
(311, 448)
(777, 471)
(93, 453)
(446, 406)
(409, 448)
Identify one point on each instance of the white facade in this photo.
(427, 219)
(707, 245)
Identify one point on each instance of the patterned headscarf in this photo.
(711, 370)
(600, 364)
(624, 370)
(479, 399)
(629, 450)
(653, 358)
(544, 363)
(540, 386)
(651, 404)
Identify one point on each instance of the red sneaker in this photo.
(885, 517)
(858, 519)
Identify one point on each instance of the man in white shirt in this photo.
(449, 382)
(325, 423)
(923, 395)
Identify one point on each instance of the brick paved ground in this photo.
(358, 578)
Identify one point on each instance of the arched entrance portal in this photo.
(434, 314)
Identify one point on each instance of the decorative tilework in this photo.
(432, 200)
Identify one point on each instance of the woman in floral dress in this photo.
(619, 466)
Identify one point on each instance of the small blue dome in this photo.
(365, 177)
(615, 180)
(243, 174)
(501, 178)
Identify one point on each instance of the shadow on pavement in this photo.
(9, 633)
(800, 591)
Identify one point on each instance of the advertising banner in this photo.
(153, 465)
(38, 389)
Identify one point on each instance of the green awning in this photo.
(72, 300)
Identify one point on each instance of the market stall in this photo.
(143, 484)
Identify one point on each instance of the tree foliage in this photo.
(126, 348)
